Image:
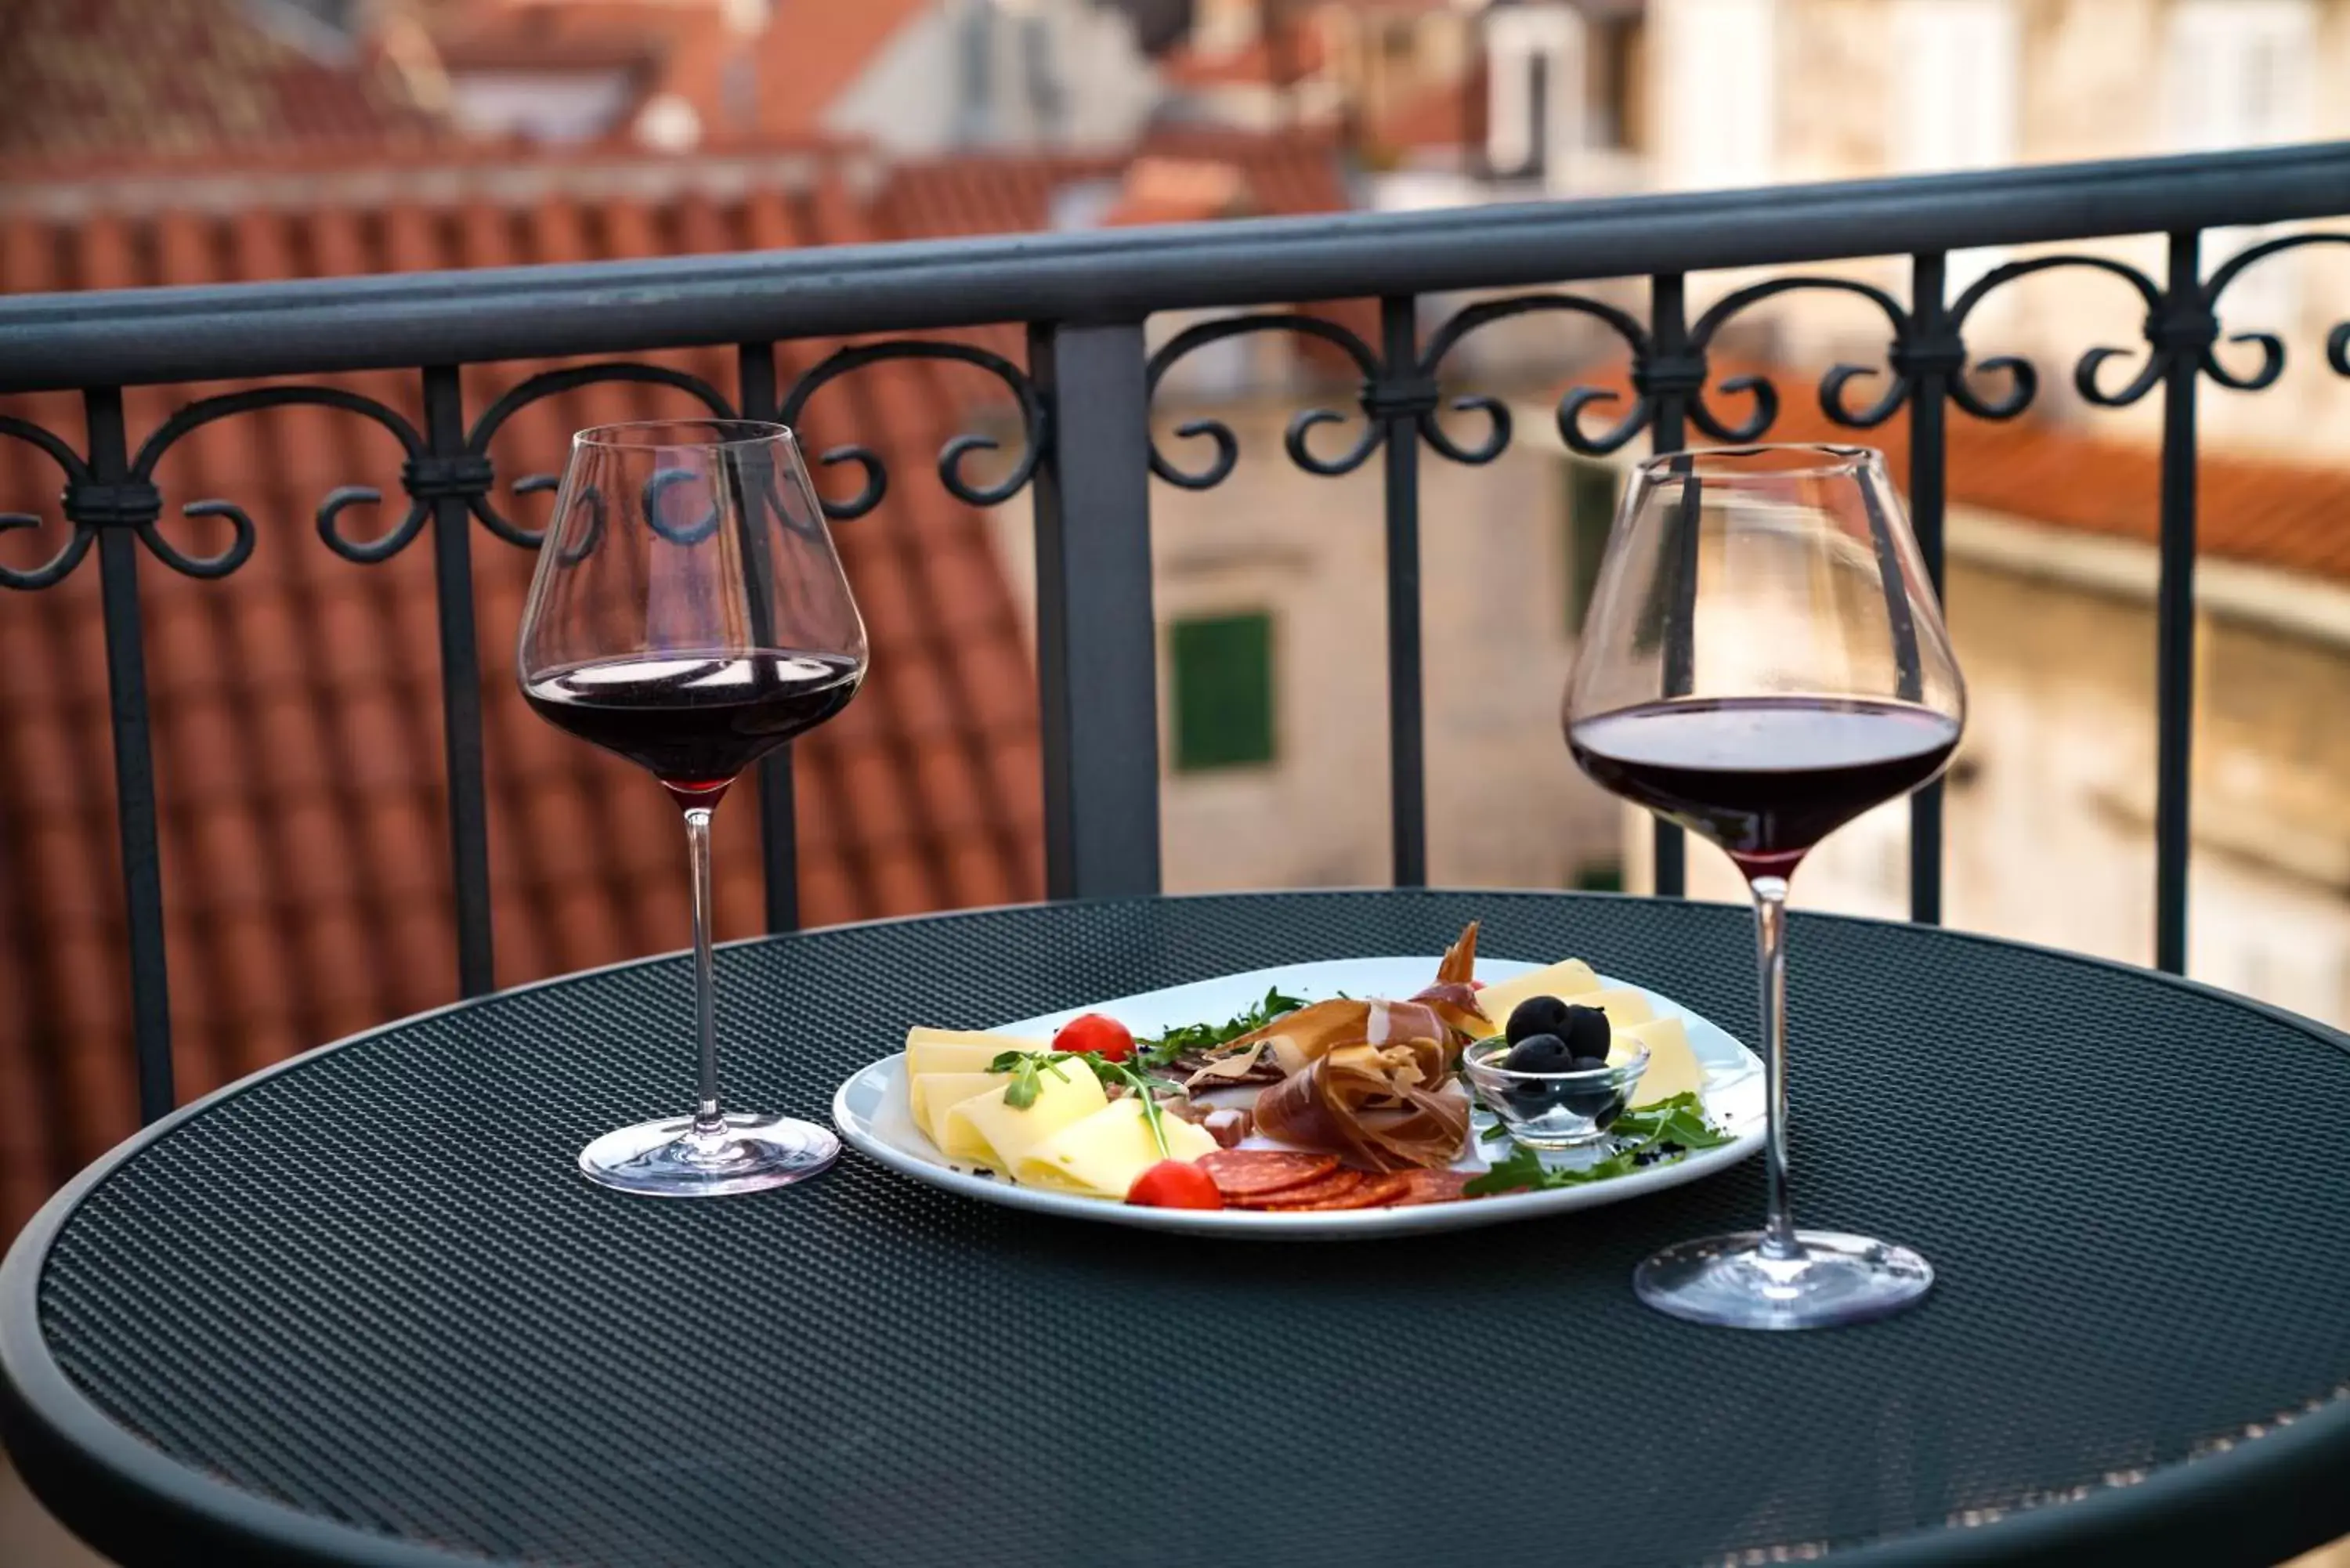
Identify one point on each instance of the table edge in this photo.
(124, 1496)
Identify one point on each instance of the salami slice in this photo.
(1432, 1186)
(1371, 1192)
(1336, 1184)
(1253, 1172)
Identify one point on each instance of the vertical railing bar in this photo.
(134, 765)
(1407, 730)
(778, 829)
(1929, 375)
(2186, 331)
(1668, 344)
(1097, 638)
(461, 687)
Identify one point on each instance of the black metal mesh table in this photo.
(363, 1308)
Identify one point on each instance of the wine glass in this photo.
(689, 613)
(1763, 661)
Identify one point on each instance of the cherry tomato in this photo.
(1175, 1184)
(1096, 1032)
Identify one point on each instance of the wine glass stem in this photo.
(707, 1123)
(1771, 945)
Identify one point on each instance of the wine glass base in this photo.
(665, 1158)
(1838, 1278)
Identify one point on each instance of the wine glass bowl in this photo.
(689, 613)
(1765, 661)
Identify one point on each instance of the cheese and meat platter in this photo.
(1348, 1097)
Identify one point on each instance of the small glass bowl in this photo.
(1552, 1110)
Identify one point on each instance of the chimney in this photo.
(1534, 89)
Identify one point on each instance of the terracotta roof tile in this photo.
(976, 875)
(827, 891)
(177, 77)
(1160, 189)
(901, 884)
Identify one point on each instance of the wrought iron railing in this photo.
(1086, 398)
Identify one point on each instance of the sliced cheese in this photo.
(1101, 1156)
(1673, 1068)
(960, 1139)
(933, 1094)
(1006, 1133)
(1622, 1006)
(957, 1051)
(1570, 978)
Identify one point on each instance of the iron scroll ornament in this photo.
(58, 567)
(1413, 391)
(330, 510)
(549, 384)
(1036, 428)
(1228, 447)
(1765, 396)
(1656, 376)
(2271, 348)
(1571, 406)
(136, 503)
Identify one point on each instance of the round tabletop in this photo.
(363, 1308)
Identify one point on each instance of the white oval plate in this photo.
(872, 1112)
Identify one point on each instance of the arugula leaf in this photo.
(1666, 1130)
(1164, 1050)
(1027, 1068)
(1145, 1088)
(1680, 1121)
(1524, 1170)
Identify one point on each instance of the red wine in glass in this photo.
(1764, 659)
(690, 613)
(1766, 778)
(694, 722)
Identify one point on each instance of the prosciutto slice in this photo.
(1384, 1106)
(1452, 997)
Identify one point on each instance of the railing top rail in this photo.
(143, 335)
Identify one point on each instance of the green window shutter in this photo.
(1221, 674)
(1590, 512)
(1599, 877)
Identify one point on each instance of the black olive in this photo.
(1600, 1102)
(1586, 1029)
(1539, 1053)
(1536, 1016)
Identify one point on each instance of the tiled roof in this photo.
(296, 706)
(1163, 189)
(808, 53)
(97, 78)
(813, 51)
